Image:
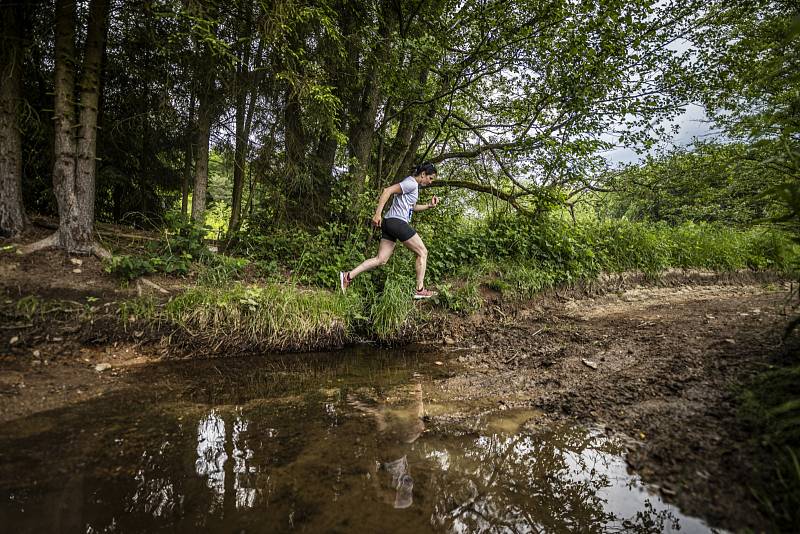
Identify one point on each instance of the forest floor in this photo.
(661, 364)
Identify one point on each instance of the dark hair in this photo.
(428, 168)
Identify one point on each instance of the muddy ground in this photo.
(658, 363)
(661, 365)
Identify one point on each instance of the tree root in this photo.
(48, 242)
(53, 241)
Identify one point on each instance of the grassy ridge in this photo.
(514, 257)
(277, 317)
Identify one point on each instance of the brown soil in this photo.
(668, 364)
(668, 361)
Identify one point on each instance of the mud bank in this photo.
(661, 365)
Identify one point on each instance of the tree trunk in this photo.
(363, 130)
(187, 162)
(244, 118)
(239, 159)
(89, 107)
(201, 163)
(244, 124)
(64, 164)
(74, 164)
(12, 213)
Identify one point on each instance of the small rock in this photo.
(730, 341)
(77, 271)
(100, 367)
(36, 354)
(437, 362)
(76, 261)
(449, 341)
(589, 363)
(57, 339)
(669, 492)
(13, 340)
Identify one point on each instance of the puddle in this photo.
(352, 442)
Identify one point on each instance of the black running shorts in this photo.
(394, 229)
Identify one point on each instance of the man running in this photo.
(396, 226)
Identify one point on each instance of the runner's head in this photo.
(425, 173)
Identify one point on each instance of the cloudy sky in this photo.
(694, 124)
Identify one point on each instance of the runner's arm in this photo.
(422, 207)
(386, 194)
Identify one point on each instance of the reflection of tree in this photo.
(525, 483)
(244, 472)
(211, 455)
(155, 493)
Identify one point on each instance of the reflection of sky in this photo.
(522, 483)
(211, 455)
(623, 493)
(211, 458)
(244, 473)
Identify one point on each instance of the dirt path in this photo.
(668, 361)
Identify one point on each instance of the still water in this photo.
(358, 441)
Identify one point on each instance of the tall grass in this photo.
(770, 409)
(515, 256)
(269, 317)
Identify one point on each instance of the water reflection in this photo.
(244, 471)
(211, 456)
(353, 455)
(155, 494)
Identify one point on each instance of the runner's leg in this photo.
(385, 250)
(415, 245)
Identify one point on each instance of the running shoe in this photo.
(344, 280)
(424, 294)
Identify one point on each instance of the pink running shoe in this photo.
(344, 280)
(424, 294)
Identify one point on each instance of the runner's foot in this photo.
(344, 280)
(424, 294)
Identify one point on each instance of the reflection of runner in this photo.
(400, 426)
(401, 481)
(396, 226)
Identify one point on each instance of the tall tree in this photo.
(12, 213)
(246, 83)
(75, 144)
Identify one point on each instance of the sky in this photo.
(694, 124)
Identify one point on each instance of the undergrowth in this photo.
(770, 409)
(282, 289)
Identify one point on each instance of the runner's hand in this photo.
(434, 201)
(376, 221)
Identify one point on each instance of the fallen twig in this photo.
(147, 282)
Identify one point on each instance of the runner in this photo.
(396, 226)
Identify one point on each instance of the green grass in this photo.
(770, 410)
(274, 317)
(297, 304)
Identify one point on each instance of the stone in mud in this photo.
(100, 367)
(589, 363)
(449, 341)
